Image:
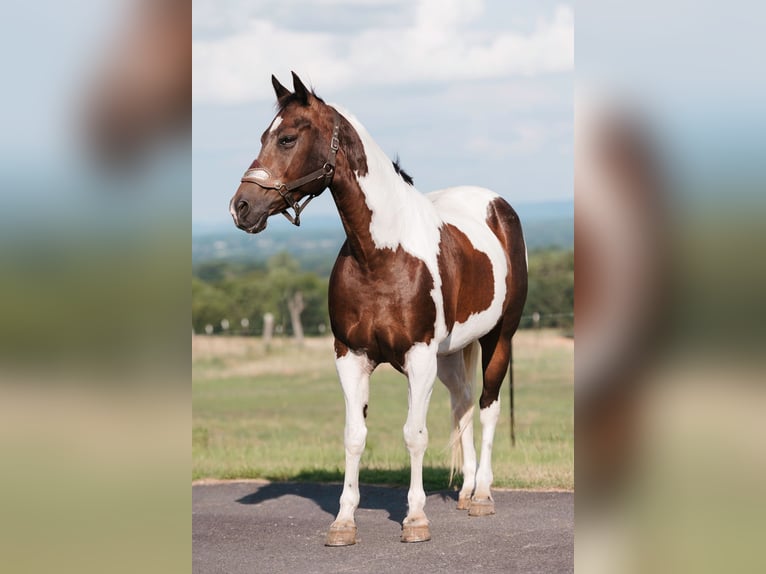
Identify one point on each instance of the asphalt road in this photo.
(280, 527)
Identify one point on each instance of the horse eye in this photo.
(287, 141)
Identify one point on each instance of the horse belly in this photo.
(484, 259)
(463, 334)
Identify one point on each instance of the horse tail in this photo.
(470, 365)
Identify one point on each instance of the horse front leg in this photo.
(354, 373)
(420, 366)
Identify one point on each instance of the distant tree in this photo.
(236, 291)
(212, 271)
(209, 305)
(551, 288)
(283, 261)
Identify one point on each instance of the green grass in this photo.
(279, 415)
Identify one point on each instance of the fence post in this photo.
(268, 329)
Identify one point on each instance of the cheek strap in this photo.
(261, 176)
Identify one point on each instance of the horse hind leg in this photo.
(496, 353)
(458, 373)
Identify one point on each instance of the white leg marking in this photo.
(489, 417)
(420, 367)
(453, 372)
(354, 372)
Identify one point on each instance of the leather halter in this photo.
(261, 176)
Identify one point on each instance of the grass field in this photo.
(279, 415)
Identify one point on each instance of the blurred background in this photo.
(95, 175)
(95, 223)
(669, 179)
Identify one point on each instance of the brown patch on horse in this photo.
(505, 224)
(383, 310)
(352, 148)
(380, 299)
(467, 276)
(495, 345)
(340, 349)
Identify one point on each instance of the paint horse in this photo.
(422, 282)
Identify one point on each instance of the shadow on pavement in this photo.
(391, 499)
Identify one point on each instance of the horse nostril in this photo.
(242, 208)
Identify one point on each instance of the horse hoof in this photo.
(341, 535)
(416, 533)
(464, 503)
(483, 507)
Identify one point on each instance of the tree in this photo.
(296, 307)
(209, 306)
(551, 288)
(235, 291)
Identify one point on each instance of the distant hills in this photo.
(316, 243)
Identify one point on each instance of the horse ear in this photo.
(300, 90)
(279, 89)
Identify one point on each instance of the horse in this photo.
(422, 282)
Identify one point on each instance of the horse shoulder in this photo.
(385, 308)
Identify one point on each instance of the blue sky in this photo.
(464, 91)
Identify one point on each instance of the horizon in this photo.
(529, 210)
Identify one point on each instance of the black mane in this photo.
(282, 103)
(403, 174)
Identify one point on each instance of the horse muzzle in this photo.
(248, 216)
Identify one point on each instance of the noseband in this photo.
(261, 177)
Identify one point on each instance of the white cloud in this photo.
(446, 41)
(523, 138)
(237, 68)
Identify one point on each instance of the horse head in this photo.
(296, 162)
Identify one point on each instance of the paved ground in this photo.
(273, 528)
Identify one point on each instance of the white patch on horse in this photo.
(420, 365)
(488, 417)
(275, 124)
(466, 208)
(354, 373)
(401, 216)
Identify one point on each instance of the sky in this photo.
(463, 91)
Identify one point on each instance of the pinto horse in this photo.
(422, 282)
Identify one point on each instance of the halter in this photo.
(262, 177)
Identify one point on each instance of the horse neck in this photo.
(378, 208)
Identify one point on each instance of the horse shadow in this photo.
(326, 494)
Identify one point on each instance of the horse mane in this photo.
(282, 103)
(348, 133)
(403, 174)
